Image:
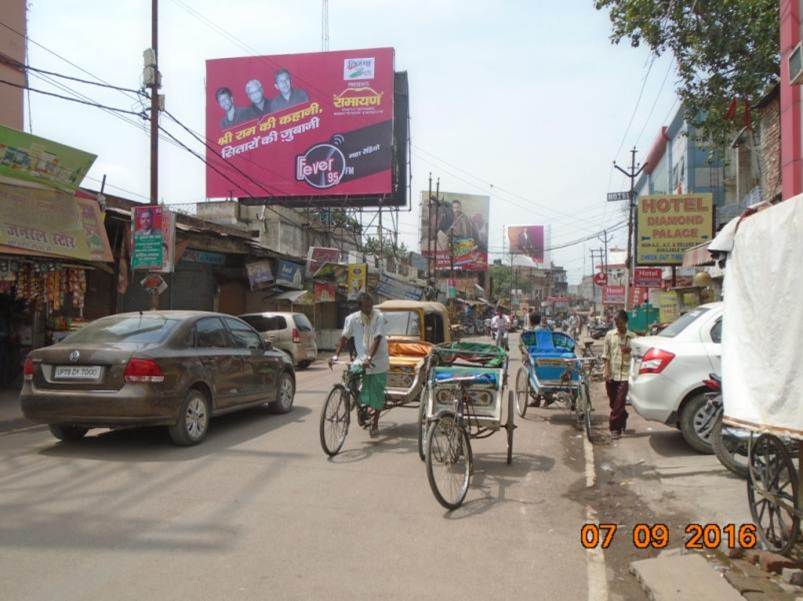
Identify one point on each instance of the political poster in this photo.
(300, 125)
(153, 238)
(669, 224)
(528, 240)
(454, 230)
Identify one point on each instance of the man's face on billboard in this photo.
(254, 91)
(225, 101)
(283, 84)
(145, 220)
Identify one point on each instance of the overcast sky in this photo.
(529, 97)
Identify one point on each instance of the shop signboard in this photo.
(260, 274)
(29, 158)
(290, 275)
(392, 288)
(418, 262)
(613, 295)
(669, 224)
(457, 232)
(638, 295)
(52, 223)
(528, 240)
(357, 275)
(325, 292)
(312, 125)
(317, 256)
(649, 277)
(154, 238)
(202, 256)
(668, 307)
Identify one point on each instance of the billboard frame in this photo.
(400, 167)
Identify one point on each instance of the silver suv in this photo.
(291, 333)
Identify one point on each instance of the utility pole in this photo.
(429, 231)
(325, 25)
(155, 103)
(630, 268)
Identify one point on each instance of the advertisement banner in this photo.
(33, 159)
(638, 295)
(667, 225)
(290, 275)
(668, 307)
(613, 295)
(54, 223)
(456, 232)
(154, 238)
(649, 277)
(324, 292)
(317, 256)
(315, 124)
(391, 288)
(260, 275)
(357, 276)
(528, 240)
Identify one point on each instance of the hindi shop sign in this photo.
(260, 274)
(323, 121)
(667, 225)
(648, 277)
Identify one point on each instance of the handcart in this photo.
(464, 399)
(552, 372)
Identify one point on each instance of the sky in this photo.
(525, 101)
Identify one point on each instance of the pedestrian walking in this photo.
(616, 356)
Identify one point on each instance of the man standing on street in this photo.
(368, 328)
(500, 324)
(616, 355)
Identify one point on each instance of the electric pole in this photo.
(630, 267)
(154, 86)
(429, 231)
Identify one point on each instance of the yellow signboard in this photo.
(668, 307)
(356, 279)
(668, 224)
(52, 222)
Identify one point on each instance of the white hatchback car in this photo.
(667, 373)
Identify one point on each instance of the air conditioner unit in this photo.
(795, 62)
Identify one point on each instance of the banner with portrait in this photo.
(454, 229)
(314, 124)
(357, 277)
(153, 244)
(325, 292)
(528, 240)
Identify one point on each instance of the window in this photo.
(142, 328)
(210, 333)
(265, 323)
(243, 335)
(302, 323)
(680, 324)
(716, 332)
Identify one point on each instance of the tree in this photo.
(727, 53)
(371, 247)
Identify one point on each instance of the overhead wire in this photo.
(86, 102)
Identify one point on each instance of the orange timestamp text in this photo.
(656, 536)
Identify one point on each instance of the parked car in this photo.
(291, 333)
(172, 368)
(667, 373)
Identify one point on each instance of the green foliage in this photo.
(503, 280)
(371, 247)
(725, 50)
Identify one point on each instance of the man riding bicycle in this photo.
(500, 324)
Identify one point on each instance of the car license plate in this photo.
(82, 372)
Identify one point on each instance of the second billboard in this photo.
(317, 124)
(456, 231)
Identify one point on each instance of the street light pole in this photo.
(630, 267)
(155, 103)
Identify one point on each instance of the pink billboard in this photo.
(298, 125)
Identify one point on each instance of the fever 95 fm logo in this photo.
(322, 166)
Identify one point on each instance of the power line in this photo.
(86, 102)
(655, 102)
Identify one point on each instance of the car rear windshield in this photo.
(265, 323)
(680, 324)
(302, 323)
(403, 323)
(142, 329)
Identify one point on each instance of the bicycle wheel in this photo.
(587, 409)
(422, 425)
(335, 416)
(522, 392)
(510, 426)
(772, 494)
(448, 461)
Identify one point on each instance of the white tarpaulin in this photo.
(762, 326)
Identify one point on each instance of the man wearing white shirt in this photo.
(500, 324)
(368, 328)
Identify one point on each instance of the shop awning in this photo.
(295, 297)
(697, 255)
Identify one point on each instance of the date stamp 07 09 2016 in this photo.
(656, 536)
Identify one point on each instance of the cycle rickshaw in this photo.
(465, 398)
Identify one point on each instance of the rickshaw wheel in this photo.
(772, 492)
(449, 461)
(522, 392)
(587, 411)
(422, 426)
(510, 426)
(335, 416)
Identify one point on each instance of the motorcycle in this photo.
(599, 330)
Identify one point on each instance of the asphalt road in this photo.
(258, 512)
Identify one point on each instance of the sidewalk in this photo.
(10, 415)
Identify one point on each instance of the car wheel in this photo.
(193, 419)
(285, 395)
(67, 432)
(697, 422)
